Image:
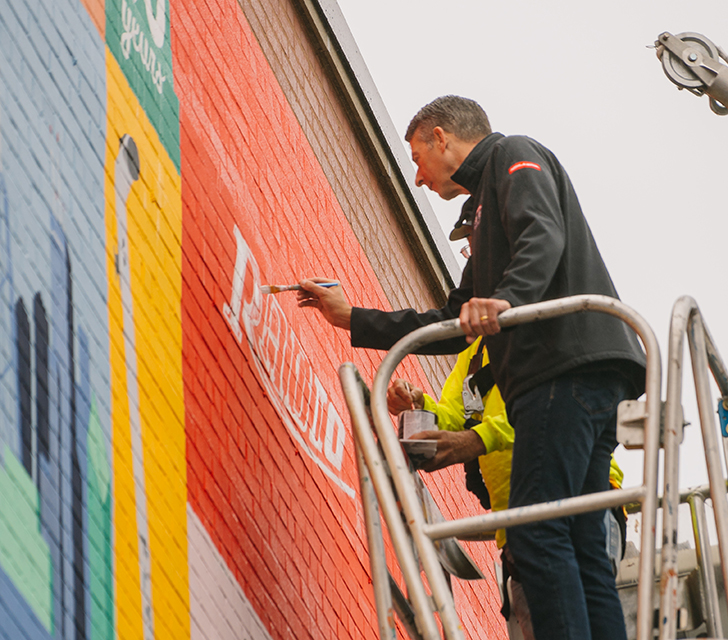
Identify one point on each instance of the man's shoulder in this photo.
(508, 154)
(519, 143)
(516, 152)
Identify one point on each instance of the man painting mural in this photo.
(561, 379)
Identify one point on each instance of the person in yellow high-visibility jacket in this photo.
(470, 401)
(489, 421)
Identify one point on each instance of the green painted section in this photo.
(139, 40)
(24, 554)
(99, 531)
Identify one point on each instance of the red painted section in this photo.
(287, 529)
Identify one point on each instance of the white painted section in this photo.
(293, 387)
(219, 609)
(157, 21)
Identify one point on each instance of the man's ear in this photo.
(440, 138)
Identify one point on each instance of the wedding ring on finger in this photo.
(483, 318)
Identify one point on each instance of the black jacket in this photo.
(531, 242)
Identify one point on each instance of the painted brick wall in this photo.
(356, 183)
(176, 459)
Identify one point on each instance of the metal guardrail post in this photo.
(670, 497)
(708, 586)
(699, 354)
(686, 318)
(377, 556)
(400, 473)
(387, 594)
(720, 375)
(388, 503)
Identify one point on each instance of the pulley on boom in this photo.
(692, 62)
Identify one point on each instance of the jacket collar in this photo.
(470, 171)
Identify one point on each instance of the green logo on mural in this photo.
(137, 33)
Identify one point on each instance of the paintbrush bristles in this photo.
(277, 288)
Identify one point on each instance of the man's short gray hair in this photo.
(462, 117)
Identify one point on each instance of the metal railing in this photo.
(387, 483)
(686, 319)
(392, 481)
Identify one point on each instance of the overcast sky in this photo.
(649, 162)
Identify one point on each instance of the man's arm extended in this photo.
(376, 329)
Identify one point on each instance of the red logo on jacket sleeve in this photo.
(524, 165)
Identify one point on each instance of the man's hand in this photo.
(402, 396)
(479, 316)
(452, 447)
(329, 301)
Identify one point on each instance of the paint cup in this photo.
(415, 420)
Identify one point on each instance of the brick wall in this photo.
(176, 459)
(368, 205)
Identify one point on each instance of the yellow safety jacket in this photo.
(493, 428)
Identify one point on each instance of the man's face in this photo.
(436, 162)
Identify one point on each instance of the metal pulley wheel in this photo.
(691, 61)
(677, 70)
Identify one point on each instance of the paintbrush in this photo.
(278, 288)
(410, 388)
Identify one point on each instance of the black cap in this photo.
(464, 225)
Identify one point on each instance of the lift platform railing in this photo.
(373, 472)
(423, 535)
(709, 588)
(686, 319)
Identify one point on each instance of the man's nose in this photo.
(419, 180)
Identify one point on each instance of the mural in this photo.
(175, 454)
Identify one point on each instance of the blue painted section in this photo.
(52, 252)
(17, 619)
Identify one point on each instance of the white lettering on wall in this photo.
(133, 37)
(157, 21)
(286, 372)
(335, 433)
(314, 434)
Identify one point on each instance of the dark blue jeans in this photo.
(565, 434)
